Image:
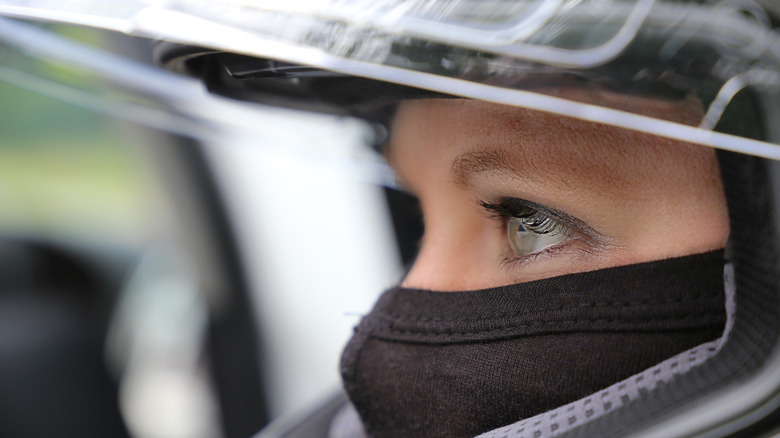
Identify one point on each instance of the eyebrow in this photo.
(469, 163)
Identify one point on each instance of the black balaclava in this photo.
(456, 364)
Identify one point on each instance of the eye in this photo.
(530, 235)
(530, 228)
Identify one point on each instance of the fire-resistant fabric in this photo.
(456, 364)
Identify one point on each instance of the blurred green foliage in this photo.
(30, 119)
(65, 170)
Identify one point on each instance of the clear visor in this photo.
(700, 73)
(570, 57)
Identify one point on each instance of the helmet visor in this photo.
(519, 53)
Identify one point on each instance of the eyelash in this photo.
(510, 207)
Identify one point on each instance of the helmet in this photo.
(362, 59)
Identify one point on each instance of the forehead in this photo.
(476, 137)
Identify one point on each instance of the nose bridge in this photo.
(453, 255)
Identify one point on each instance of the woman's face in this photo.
(511, 195)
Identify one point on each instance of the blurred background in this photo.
(157, 282)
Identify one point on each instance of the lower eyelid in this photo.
(517, 260)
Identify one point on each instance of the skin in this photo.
(637, 197)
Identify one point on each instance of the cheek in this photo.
(677, 208)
